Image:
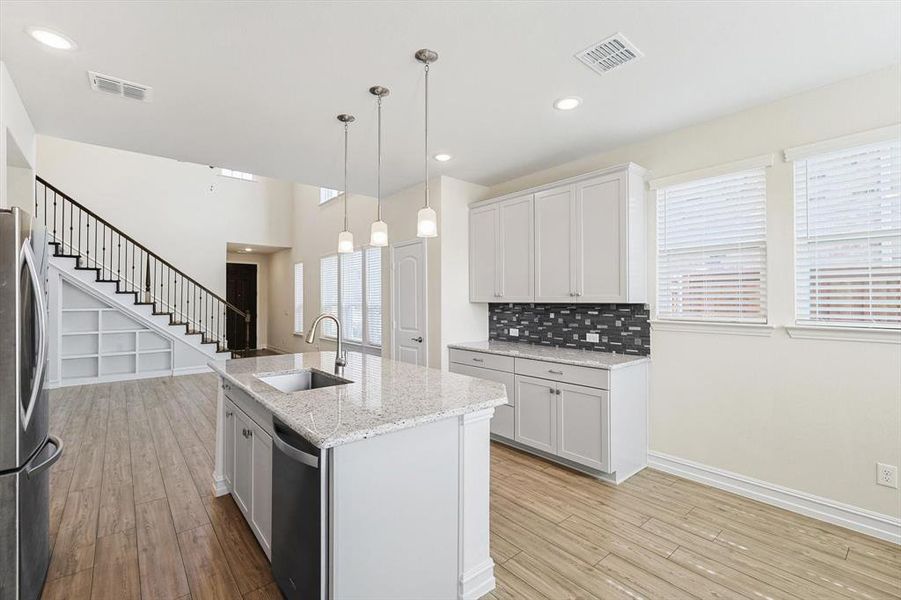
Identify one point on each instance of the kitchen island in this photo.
(372, 484)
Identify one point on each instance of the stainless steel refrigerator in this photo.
(27, 450)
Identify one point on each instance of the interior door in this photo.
(554, 245)
(535, 413)
(582, 414)
(483, 251)
(409, 314)
(241, 290)
(517, 256)
(601, 216)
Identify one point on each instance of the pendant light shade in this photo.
(378, 232)
(426, 220)
(345, 238)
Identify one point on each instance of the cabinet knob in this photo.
(558, 392)
(228, 413)
(551, 390)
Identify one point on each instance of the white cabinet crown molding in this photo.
(862, 138)
(764, 160)
(629, 166)
(755, 329)
(845, 334)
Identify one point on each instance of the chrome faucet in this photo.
(340, 354)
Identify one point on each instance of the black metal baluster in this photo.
(71, 229)
(78, 262)
(55, 239)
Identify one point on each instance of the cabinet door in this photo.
(261, 500)
(229, 432)
(517, 255)
(601, 214)
(535, 414)
(483, 251)
(242, 488)
(554, 245)
(582, 420)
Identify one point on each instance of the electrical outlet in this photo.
(593, 337)
(513, 332)
(887, 475)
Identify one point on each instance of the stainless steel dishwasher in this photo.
(300, 521)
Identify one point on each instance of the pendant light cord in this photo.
(380, 162)
(427, 135)
(345, 177)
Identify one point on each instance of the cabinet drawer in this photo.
(482, 359)
(482, 373)
(502, 422)
(598, 378)
(253, 409)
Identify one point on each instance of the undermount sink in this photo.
(302, 380)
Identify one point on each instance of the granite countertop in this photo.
(384, 396)
(567, 356)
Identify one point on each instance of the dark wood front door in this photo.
(241, 290)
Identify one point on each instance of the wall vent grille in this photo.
(609, 54)
(120, 87)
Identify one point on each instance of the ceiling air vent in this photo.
(120, 87)
(609, 54)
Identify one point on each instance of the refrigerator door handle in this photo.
(43, 466)
(28, 258)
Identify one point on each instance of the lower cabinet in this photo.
(536, 413)
(248, 470)
(582, 414)
(502, 421)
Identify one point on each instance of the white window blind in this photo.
(848, 237)
(328, 291)
(326, 194)
(298, 298)
(374, 296)
(711, 249)
(351, 295)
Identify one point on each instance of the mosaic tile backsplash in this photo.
(621, 328)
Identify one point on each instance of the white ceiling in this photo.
(256, 86)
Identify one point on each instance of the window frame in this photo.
(668, 322)
(366, 345)
(809, 328)
(302, 291)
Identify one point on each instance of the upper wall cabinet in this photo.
(501, 267)
(579, 240)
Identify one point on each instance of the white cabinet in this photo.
(488, 366)
(242, 481)
(247, 462)
(579, 240)
(582, 414)
(501, 239)
(555, 234)
(536, 415)
(261, 496)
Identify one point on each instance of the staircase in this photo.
(95, 245)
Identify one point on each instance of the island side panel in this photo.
(395, 515)
(219, 485)
(476, 565)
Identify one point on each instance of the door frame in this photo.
(256, 316)
(425, 294)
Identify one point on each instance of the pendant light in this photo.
(378, 234)
(345, 238)
(426, 219)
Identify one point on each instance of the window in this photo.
(236, 174)
(351, 287)
(326, 194)
(298, 298)
(328, 291)
(848, 237)
(711, 249)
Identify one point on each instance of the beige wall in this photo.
(17, 143)
(263, 304)
(810, 415)
(184, 212)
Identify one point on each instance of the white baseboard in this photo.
(191, 370)
(881, 526)
(220, 488)
(478, 581)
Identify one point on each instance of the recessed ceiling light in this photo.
(248, 249)
(442, 157)
(51, 38)
(567, 103)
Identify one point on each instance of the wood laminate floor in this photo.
(132, 516)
